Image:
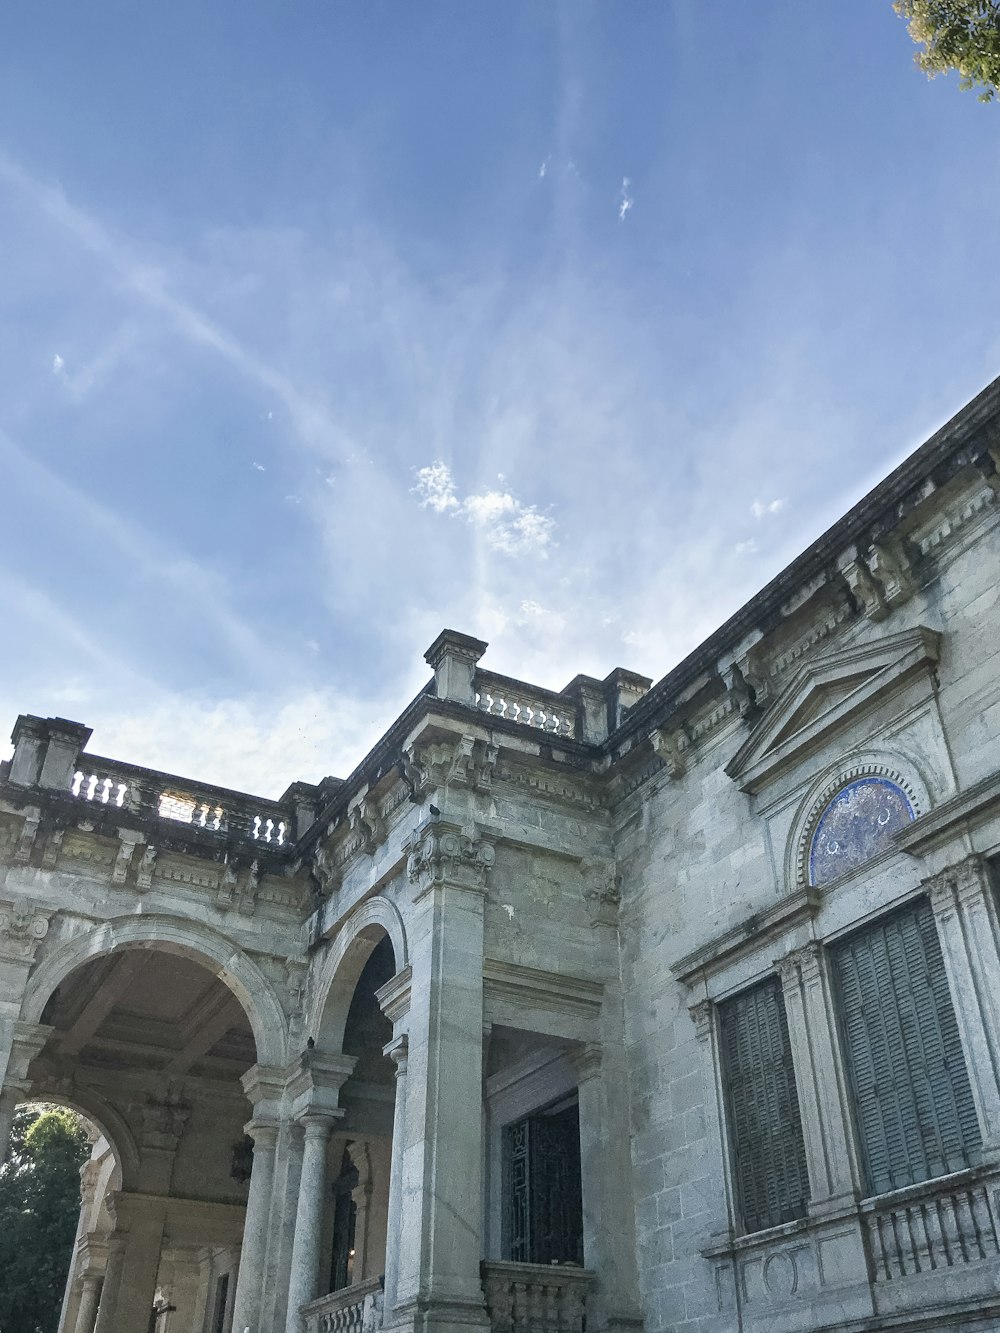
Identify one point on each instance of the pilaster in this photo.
(606, 1172)
(831, 1160)
(965, 911)
(438, 1284)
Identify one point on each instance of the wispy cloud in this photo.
(58, 364)
(507, 524)
(625, 199)
(761, 508)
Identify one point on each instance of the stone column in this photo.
(246, 1304)
(396, 1051)
(304, 1275)
(107, 1314)
(139, 1221)
(831, 1158)
(90, 1297)
(606, 1172)
(314, 1093)
(966, 914)
(440, 1245)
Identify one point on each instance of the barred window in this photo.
(762, 1107)
(915, 1114)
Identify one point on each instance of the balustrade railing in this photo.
(940, 1224)
(532, 707)
(355, 1309)
(161, 796)
(535, 1298)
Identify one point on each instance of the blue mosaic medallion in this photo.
(855, 826)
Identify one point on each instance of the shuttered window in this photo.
(768, 1155)
(915, 1114)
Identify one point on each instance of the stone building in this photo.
(671, 1006)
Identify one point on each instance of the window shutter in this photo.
(769, 1159)
(915, 1113)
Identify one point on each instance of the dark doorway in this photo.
(345, 1214)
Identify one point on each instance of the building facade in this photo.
(666, 1006)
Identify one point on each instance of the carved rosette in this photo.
(445, 854)
(23, 926)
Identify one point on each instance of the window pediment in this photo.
(824, 695)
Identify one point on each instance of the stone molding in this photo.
(792, 728)
(725, 948)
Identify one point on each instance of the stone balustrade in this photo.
(527, 704)
(934, 1225)
(355, 1309)
(156, 795)
(535, 1298)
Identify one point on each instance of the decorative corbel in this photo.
(864, 588)
(246, 902)
(324, 872)
(888, 563)
(366, 822)
(144, 874)
(228, 881)
(671, 744)
(29, 831)
(51, 848)
(129, 840)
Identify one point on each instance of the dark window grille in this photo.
(915, 1115)
(345, 1216)
(762, 1106)
(543, 1195)
(221, 1299)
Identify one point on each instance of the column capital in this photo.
(314, 1083)
(805, 961)
(23, 926)
(264, 1086)
(319, 1124)
(442, 853)
(27, 1042)
(398, 1051)
(965, 880)
(702, 1017)
(263, 1132)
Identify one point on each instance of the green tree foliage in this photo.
(962, 35)
(39, 1207)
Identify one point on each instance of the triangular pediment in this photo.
(823, 694)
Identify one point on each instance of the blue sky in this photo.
(327, 323)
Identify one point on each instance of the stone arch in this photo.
(891, 766)
(104, 1117)
(200, 943)
(343, 965)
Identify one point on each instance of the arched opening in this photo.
(151, 1044)
(360, 1153)
(61, 1166)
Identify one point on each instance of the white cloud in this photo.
(543, 169)
(625, 200)
(259, 467)
(58, 364)
(760, 508)
(745, 548)
(531, 608)
(436, 488)
(507, 525)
